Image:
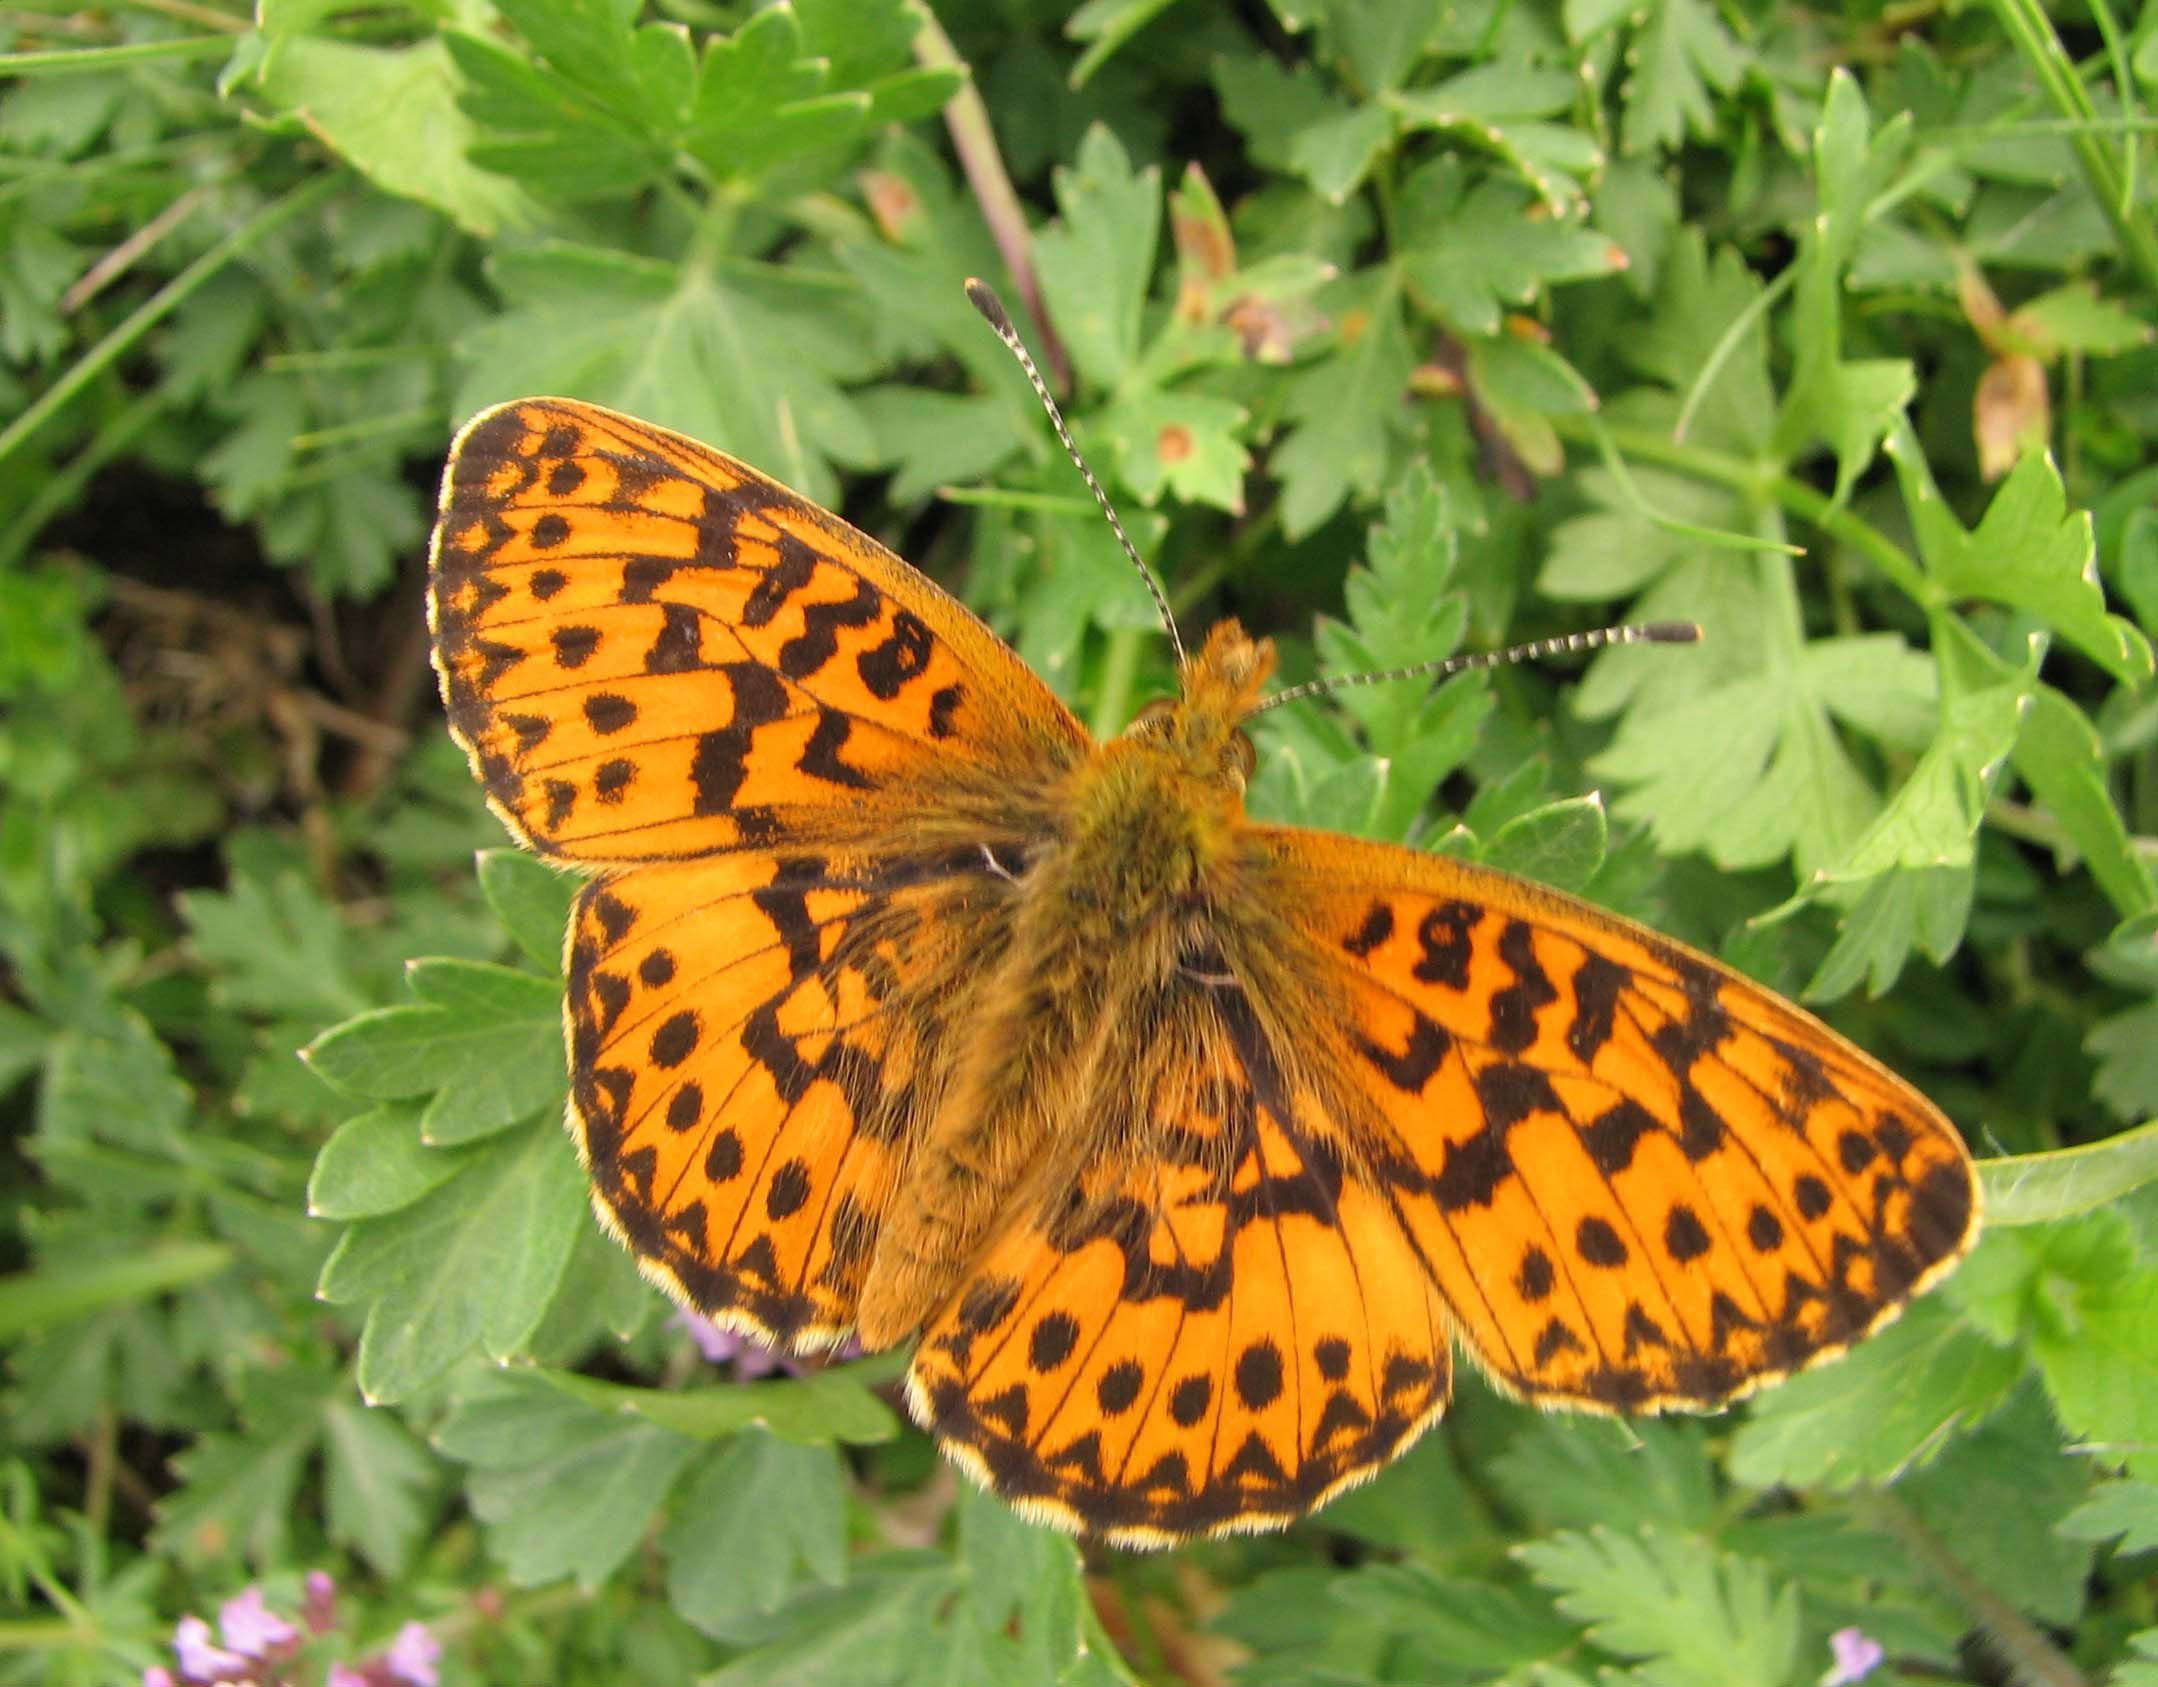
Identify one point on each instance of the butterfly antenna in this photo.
(985, 300)
(1570, 644)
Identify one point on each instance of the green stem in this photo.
(974, 139)
(162, 304)
(2030, 1656)
(62, 487)
(44, 1299)
(1754, 480)
(67, 61)
(1119, 672)
(2032, 31)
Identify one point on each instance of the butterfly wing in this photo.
(787, 751)
(651, 652)
(1217, 1330)
(1639, 1180)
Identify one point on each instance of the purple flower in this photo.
(413, 1655)
(1857, 1656)
(201, 1658)
(318, 1608)
(751, 1359)
(251, 1628)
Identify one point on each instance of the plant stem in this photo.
(2032, 31)
(2029, 1655)
(1119, 671)
(161, 304)
(1756, 479)
(974, 138)
(67, 61)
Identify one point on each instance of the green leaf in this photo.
(1748, 767)
(1680, 53)
(376, 1163)
(2059, 757)
(1849, 404)
(564, 1489)
(761, 100)
(1566, 1473)
(380, 1484)
(1462, 1625)
(532, 125)
(1560, 844)
(2125, 1513)
(1095, 263)
(1023, 1580)
(55, 1297)
(1998, 1496)
(1381, 40)
(760, 1517)
(1470, 250)
(1692, 1616)
(880, 1628)
(1495, 106)
(1911, 907)
(1181, 442)
(2088, 1310)
(643, 75)
(814, 1410)
(2039, 1188)
(471, 1265)
(729, 354)
(1336, 409)
(274, 947)
(1273, 105)
(1335, 152)
(869, 44)
(531, 899)
(486, 1040)
(393, 114)
(2027, 552)
(2075, 319)
(236, 1490)
(1890, 1402)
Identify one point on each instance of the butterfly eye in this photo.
(1153, 719)
(1239, 757)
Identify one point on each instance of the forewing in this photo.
(1215, 1332)
(652, 652)
(753, 1038)
(1639, 1179)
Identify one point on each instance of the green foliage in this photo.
(1394, 331)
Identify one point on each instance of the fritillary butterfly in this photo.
(1187, 1145)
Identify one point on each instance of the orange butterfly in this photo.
(1187, 1144)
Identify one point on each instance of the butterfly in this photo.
(1188, 1147)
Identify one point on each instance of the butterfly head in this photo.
(1202, 728)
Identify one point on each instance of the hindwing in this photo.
(1639, 1179)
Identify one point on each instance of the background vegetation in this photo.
(1391, 327)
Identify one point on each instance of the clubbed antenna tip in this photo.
(1671, 632)
(983, 298)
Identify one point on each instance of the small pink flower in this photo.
(158, 1676)
(1857, 1656)
(343, 1677)
(413, 1655)
(318, 1609)
(251, 1628)
(201, 1658)
(751, 1358)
